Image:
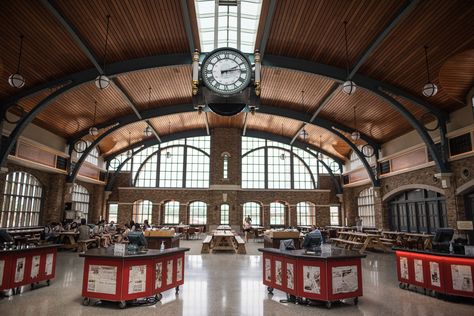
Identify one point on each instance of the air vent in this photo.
(384, 167)
(61, 163)
(102, 176)
(460, 144)
(345, 179)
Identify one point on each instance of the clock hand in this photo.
(230, 69)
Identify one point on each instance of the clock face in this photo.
(226, 71)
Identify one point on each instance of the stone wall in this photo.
(422, 178)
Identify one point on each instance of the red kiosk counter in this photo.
(19, 267)
(329, 276)
(444, 273)
(131, 276)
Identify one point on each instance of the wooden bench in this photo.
(240, 245)
(336, 240)
(84, 244)
(206, 244)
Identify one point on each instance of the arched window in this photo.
(198, 213)
(142, 211)
(225, 169)
(366, 208)
(273, 165)
(183, 163)
(253, 210)
(21, 200)
(277, 213)
(171, 212)
(225, 208)
(80, 200)
(305, 214)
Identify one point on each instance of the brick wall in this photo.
(54, 194)
(223, 140)
(424, 177)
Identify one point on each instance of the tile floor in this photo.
(230, 284)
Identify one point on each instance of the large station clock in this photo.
(226, 71)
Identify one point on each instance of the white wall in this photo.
(40, 135)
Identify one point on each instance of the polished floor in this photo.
(228, 284)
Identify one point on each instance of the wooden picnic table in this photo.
(67, 238)
(351, 240)
(222, 240)
(224, 227)
(420, 240)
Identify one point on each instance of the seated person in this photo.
(132, 225)
(100, 234)
(316, 233)
(5, 237)
(124, 234)
(84, 233)
(146, 225)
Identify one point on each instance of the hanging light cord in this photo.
(355, 119)
(106, 39)
(95, 112)
(149, 96)
(427, 64)
(347, 51)
(19, 55)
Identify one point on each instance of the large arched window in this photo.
(21, 200)
(183, 163)
(142, 210)
(80, 200)
(366, 207)
(254, 211)
(305, 214)
(277, 213)
(198, 213)
(171, 212)
(225, 209)
(272, 165)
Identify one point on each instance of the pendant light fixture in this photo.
(319, 156)
(429, 89)
(348, 87)
(168, 153)
(282, 156)
(102, 81)
(355, 134)
(148, 131)
(303, 132)
(16, 80)
(94, 131)
(129, 152)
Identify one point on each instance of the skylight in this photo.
(223, 31)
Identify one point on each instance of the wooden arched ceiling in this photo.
(48, 51)
(303, 29)
(456, 76)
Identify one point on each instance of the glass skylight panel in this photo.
(227, 24)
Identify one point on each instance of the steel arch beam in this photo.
(339, 75)
(375, 86)
(198, 132)
(373, 177)
(77, 79)
(266, 109)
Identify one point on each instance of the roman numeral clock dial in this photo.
(226, 71)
